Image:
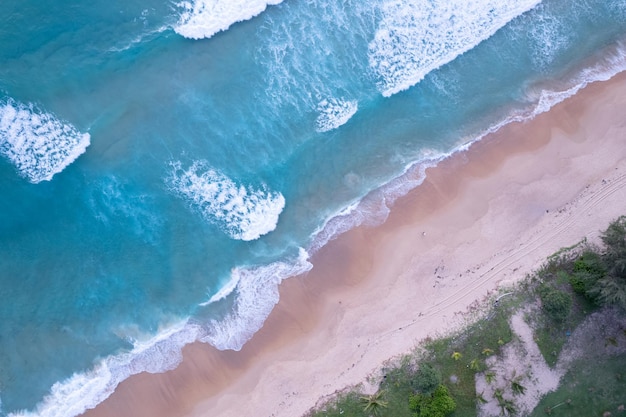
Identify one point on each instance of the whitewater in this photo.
(164, 167)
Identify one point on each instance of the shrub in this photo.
(611, 289)
(426, 379)
(614, 238)
(556, 303)
(438, 404)
(582, 282)
(590, 262)
(587, 270)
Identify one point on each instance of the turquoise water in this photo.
(159, 177)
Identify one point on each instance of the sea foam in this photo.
(416, 37)
(256, 288)
(334, 113)
(83, 391)
(201, 19)
(374, 208)
(37, 143)
(243, 213)
(256, 296)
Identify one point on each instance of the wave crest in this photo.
(416, 37)
(242, 212)
(201, 19)
(38, 144)
(334, 113)
(83, 391)
(257, 294)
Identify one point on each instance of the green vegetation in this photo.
(432, 381)
(576, 282)
(556, 303)
(590, 388)
(437, 404)
(375, 403)
(427, 379)
(439, 379)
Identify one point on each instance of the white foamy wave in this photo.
(550, 36)
(334, 113)
(416, 37)
(604, 70)
(257, 294)
(225, 291)
(242, 212)
(201, 19)
(84, 391)
(37, 143)
(373, 209)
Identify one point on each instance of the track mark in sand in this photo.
(587, 201)
(559, 221)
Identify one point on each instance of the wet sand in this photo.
(481, 221)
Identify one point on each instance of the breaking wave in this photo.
(38, 144)
(256, 295)
(244, 213)
(201, 19)
(83, 391)
(416, 37)
(334, 113)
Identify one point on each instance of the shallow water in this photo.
(156, 188)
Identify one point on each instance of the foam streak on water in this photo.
(204, 18)
(257, 294)
(416, 37)
(244, 213)
(37, 143)
(374, 208)
(84, 391)
(334, 113)
(280, 105)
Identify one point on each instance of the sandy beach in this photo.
(481, 221)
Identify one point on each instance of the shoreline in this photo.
(490, 214)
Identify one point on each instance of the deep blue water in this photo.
(150, 162)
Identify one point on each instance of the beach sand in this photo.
(481, 221)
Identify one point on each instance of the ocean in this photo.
(164, 166)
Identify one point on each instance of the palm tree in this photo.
(374, 403)
(611, 289)
(456, 355)
(490, 377)
(518, 389)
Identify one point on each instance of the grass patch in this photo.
(439, 380)
(347, 404)
(590, 388)
(451, 362)
(481, 340)
(551, 333)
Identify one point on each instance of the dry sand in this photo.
(482, 219)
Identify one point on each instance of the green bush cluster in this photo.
(426, 379)
(437, 404)
(600, 274)
(556, 303)
(588, 269)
